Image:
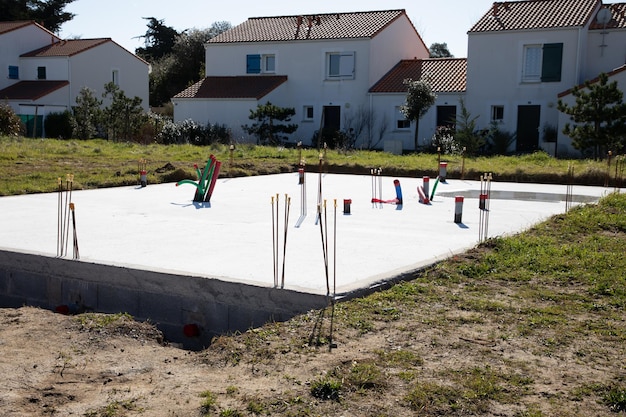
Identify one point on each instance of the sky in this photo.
(437, 21)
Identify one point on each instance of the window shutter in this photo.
(552, 62)
(14, 72)
(253, 64)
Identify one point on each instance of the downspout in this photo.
(579, 56)
(69, 86)
(371, 111)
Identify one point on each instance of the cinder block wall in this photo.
(170, 301)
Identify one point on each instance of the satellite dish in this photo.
(604, 16)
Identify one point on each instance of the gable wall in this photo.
(17, 42)
(93, 68)
(612, 56)
(398, 41)
(494, 74)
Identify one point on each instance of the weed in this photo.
(615, 399)
(326, 389)
(208, 403)
(229, 412)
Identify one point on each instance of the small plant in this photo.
(365, 375)
(229, 412)
(232, 390)
(326, 389)
(208, 403)
(615, 398)
(443, 141)
(255, 407)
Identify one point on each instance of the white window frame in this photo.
(401, 122)
(268, 63)
(531, 68)
(494, 110)
(115, 76)
(305, 113)
(340, 65)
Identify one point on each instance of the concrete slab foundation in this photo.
(154, 253)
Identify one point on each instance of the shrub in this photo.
(59, 125)
(444, 141)
(10, 123)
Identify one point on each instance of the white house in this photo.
(41, 74)
(523, 54)
(321, 65)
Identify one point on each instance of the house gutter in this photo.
(579, 55)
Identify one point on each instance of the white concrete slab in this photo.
(160, 228)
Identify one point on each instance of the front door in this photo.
(332, 118)
(528, 118)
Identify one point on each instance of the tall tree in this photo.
(599, 117)
(269, 127)
(86, 114)
(123, 116)
(440, 50)
(183, 65)
(159, 40)
(49, 13)
(419, 98)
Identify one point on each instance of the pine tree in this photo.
(599, 117)
(269, 127)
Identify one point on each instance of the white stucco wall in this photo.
(398, 41)
(605, 59)
(564, 143)
(94, 68)
(494, 75)
(384, 106)
(17, 42)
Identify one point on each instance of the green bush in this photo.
(10, 123)
(59, 125)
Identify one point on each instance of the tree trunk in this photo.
(415, 137)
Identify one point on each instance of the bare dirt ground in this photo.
(88, 365)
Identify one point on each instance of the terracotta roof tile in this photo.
(310, 27)
(253, 87)
(444, 75)
(618, 17)
(6, 27)
(536, 14)
(67, 47)
(31, 90)
(594, 80)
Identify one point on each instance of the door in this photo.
(332, 118)
(528, 118)
(446, 116)
(331, 123)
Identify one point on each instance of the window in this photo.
(14, 72)
(497, 113)
(41, 73)
(532, 63)
(269, 63)
(257, 63)
(340, 65)
(542, 63)
(401, 120)
(115, 77)
(308, 113)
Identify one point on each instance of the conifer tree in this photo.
(598, 116)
